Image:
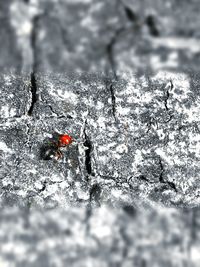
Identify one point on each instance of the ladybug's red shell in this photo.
(65, 140)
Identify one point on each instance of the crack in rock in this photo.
(88, 144)
(113, 100)
(95, 193)
(34, 97)
(104, 148)
(167, 95)
(130, 210)
(150, 22)
(44, 186)
(33, 42)
(131, 15)
(166, 99)
(161, 178)
(59, 116)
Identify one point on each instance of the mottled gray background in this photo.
(122, 78)
(95, 35)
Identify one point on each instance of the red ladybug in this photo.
(64, 140)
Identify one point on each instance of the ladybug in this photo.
(53, 151)
(64, 140)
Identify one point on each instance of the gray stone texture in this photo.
(125, 192)
(138, 139)
(90, 35)
(132, 236)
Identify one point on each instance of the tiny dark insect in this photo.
(53, 151)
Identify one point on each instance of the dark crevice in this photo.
(143, 178)
(166, 100)
(34, 35)
(65, 117)
(130, 210)
(172, 185)
(95, 193)
(88, 144)
(57, 182)
(171, 85)
(150, 22)
(68, 117)
(28, 129)
(34, 64)
(54, 112)
(107, 177)
(161, 178)
(130, 14)
(167, 95)
(113, 99)
(170, 118)
(60, 116)
(34, 96)
(43, 187)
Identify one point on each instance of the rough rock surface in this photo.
(134, 137)
(125, 193)
(103, 203)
